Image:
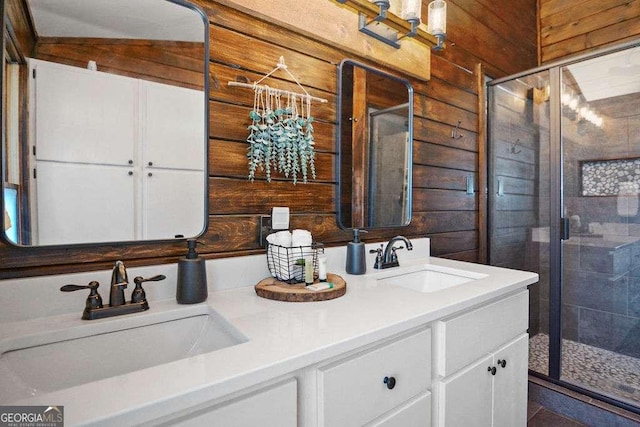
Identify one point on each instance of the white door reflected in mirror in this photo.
(115, 148)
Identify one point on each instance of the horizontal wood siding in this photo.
(243, 48)
(169, 62)
(520, 143)
(570, 27)
(500, 34)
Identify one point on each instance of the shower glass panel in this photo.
(564, 184)
(519, 189)
(388, 186)
(600, 127)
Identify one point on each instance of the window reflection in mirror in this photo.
(376, 134)
(11, 143)
(114, 148)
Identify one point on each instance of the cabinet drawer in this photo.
(271, 407)
(468, 337)
(352, 392)
(416, 413)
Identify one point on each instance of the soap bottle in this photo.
(356, 259)
(322, 267)
(192, 277)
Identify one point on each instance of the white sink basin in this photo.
(430, 278)
(93, 351)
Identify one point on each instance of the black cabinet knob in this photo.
(390, 382)
(130, 173)
(150, 163)
(492, 369)
(130, 162)
(502, 362)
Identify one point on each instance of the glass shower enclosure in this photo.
(564, 179)
(388, 187)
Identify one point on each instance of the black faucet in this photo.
(388, 258)
(119, 281)
(117, 305)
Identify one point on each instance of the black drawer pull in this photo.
(492, 369)
(502, 362)
(390, 382)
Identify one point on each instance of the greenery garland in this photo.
(280, 140)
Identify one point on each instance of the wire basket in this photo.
(287, 264)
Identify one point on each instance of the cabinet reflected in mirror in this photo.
(105, 121)
(376, 134)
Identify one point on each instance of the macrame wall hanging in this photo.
(281, 130)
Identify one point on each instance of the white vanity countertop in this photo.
(282, 337)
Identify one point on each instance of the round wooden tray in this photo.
(272, 288)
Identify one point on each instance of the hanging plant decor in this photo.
(281, 131)
(280, 138)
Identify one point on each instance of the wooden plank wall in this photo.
(243, 48)
(169, 62)
(441, 207)
(569, 27)
(520, 160)
(521, 140)
(500, 34)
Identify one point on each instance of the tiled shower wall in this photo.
(601, 290)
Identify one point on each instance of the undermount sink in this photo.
(430, 278)
(69, 357)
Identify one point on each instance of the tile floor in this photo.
(600, 370)
(553, 405)
(539, 416)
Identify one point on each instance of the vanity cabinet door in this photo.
(476, 396)
(510, 383)
(483, 365)
(466, 397)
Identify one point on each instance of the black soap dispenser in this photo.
(192, 277)
(356, 258)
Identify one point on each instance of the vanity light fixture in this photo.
(411, 13)
(377, 21)
(437, 22)
(376, 28)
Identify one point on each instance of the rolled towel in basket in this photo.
(281, 238)
(284, 252)
(278, 255)
(301, 241)
(301, 238)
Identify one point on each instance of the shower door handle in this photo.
(564, 228)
